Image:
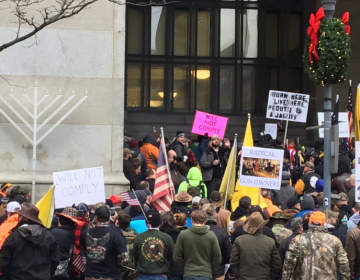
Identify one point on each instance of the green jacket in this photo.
(255, 257)
(153, 252)
(194, 177)
(197, 250)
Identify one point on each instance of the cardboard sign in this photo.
(287, 106)
(210, 124)
(81, 185)
(261, 168)
(357, 171)
(271, 128)
(343, 125)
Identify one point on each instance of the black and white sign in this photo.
(81, 185)
(287, 106)
(261, 168)
(343, 125)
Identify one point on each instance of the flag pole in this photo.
(140, 206)
(287, 121)
(166, 161)
(231, 163)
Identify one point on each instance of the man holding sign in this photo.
(213, 162)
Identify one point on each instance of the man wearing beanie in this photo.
(307, 205)
(293, 208)
(316, 254)
(296, 228)
(179, 147)
(153, 250)
(213, 163)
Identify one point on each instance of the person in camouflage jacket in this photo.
(278, 226)
(315, 254)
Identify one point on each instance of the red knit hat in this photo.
(133, 144)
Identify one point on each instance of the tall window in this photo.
(212, 55)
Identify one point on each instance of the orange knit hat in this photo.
(317, 218)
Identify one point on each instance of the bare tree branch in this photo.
(32, 13)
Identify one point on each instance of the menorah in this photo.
(35, 127)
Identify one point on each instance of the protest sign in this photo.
(357, 171)
(261, 167)
(210, 124)
(271, 128)
(343, 125)
(287, 106)
(81, 185)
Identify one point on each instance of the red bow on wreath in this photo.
(313, 33)
(345, 20)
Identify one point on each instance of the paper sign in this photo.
(287, 106)
(357, 171)
(81, 185)
(343, 125)
(210, 124)
(271, 128)
(261, 168)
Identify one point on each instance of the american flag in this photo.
(279, 125)
(349, 108)
(130, 198)
(164, 188)
(79, 263)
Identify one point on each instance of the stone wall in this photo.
(82, 53)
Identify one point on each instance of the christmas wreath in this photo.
(326, 54)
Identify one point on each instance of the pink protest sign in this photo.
(210, 124)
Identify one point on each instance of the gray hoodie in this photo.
(353, 221)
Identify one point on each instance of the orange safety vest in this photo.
(271, 208)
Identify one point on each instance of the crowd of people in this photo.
(199, 239)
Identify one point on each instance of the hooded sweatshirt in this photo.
(150, 151)
(30, 252)
(194, 178)
(197, 250)
(353, 221)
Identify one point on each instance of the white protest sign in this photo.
(357, 171)
(81, 185)
(271, 128)
(287, 106)
(261, 168)
(343, 125)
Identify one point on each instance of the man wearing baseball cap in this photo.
(222, 214)
(153, 250)
(315, 254)
(106, 249)
(11, 222)
(336, 228)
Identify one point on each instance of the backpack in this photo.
(63, 270)
(196, 191)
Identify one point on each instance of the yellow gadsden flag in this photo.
(46, 207)
(357, 116)
(229, 180)
(240, 191)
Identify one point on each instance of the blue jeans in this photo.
(143, 276)
(196, 278)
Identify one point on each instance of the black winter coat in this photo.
(175, 269)
(30, 252)
(64, 236)
(240, 231)
(340, 233)
(225, 246)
